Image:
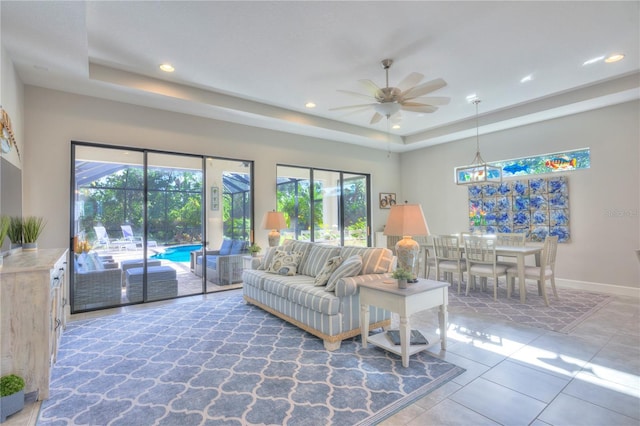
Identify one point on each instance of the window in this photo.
(326, 206)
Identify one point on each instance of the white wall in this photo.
(604, 200)
(53, 119)
(11, 99)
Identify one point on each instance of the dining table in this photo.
(520, 253)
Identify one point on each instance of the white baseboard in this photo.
(617, 290)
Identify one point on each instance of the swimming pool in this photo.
(178, 253)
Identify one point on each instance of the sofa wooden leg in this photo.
(332, 346)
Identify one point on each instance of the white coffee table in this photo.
(420, 296)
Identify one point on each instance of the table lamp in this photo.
(407, 220)
(275, 221)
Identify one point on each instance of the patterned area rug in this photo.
(562, 315)
(222, 362)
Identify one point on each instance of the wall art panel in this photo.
(537, 207)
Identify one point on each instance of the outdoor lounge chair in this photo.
(134, 241)
(102, 238)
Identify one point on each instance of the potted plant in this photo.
(402, 275)
(32, 227)
(15, 231)
(11, 395)
(4, 228)
(254, 249)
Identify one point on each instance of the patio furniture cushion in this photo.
(239, 246)
(225, 248)
(154, 273)
(138, 263)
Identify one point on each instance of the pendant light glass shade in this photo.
(478, 172)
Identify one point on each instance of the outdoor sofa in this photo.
(97, 281)
(320, 293)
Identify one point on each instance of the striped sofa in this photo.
(330, 312)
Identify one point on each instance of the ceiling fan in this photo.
(406, 96)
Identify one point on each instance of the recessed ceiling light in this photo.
(310, 105)
(526, 78)
(593, 60)
(395, 126)
(167, 68)
(614, 58)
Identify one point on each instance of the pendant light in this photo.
(478, 172)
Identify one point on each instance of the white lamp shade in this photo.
(406, 219)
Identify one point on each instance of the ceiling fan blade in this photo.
(351, 106)
(419, 108)
(376, 117)
(360, 95)
(370, 87)
(423, 89)
(433, 100)
(356, 111)
(410, 81)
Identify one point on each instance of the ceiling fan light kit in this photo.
(388, 101)
(478, 172)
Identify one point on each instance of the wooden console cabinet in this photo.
(33, 299)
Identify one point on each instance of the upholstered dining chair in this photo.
(542, 273)
(448, 258)
(481, 262)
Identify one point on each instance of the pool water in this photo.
(178, 253)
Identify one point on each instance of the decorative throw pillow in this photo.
(285, 263)
(268, 257)
(329, 266)
(349, 268)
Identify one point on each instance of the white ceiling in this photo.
(258, 63)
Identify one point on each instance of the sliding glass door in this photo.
(229, 216)
(174, 217)
(143, 220)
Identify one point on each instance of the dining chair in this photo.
(426, 256)
(545, 271)
(481, 262)
(511, 239)
(448, 258)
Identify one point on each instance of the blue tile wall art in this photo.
(537, 207)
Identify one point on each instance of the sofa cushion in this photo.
(317, 258)
(285, 263)
(281, 285)
(375, 260)
(299, 247)
(225, 248)
(314, 298)
(349, 268)
(329, 266)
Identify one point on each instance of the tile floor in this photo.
(518, 375)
